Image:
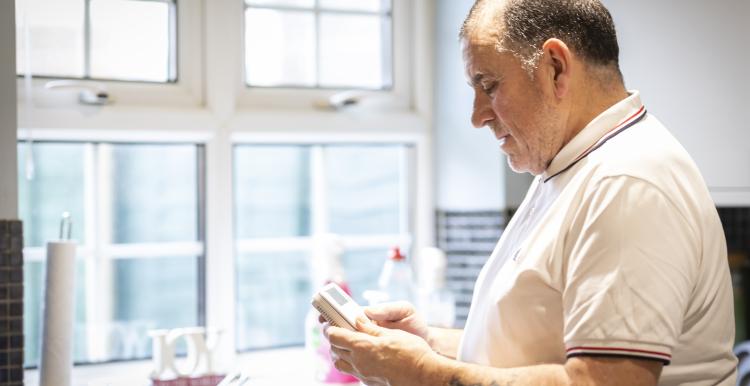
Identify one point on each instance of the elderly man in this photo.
(613, 271)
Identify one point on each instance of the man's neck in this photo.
(591, 103)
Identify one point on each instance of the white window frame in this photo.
(223, 117)
(186, 91)
(99, 252)
(397, 97)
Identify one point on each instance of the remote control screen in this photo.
(340, 299)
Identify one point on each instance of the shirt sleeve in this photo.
(632, 258)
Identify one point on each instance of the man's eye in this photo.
(489, 88)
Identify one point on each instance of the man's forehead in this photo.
(486, 21)
(478, 54)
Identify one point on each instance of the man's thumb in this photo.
(368, 327)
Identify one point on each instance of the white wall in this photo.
(8, 188)
(690, 61)
(468, 161)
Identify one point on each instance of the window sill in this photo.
(282, 367)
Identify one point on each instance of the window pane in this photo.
(351, 51)
(147, 204)
(154, 204)
(120, 50)
(136, 308)
(364, 189)
(272, 191)
(273, 298)
(362, 269)
(55, 36)
(357, 5)
(279, 48)
(282, 3)
(33, 282)
(56, 187)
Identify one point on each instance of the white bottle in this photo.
(435, 301)
(396, 281)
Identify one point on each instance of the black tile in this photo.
(16, 276)
(16, 291)
(16, 259)
(15, 326)
(16, 341)
(15, 310)
(16, 375)
(4, 342)
(15, 358)
(4, 375)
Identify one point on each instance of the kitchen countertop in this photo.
(280, 367)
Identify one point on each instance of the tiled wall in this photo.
(468, 239)
(11, 303)
(736, 222)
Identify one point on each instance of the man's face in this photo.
(523, 117)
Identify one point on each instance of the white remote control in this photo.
(337, 307)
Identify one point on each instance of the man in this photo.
(613, 271)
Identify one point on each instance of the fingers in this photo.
(389, 312)
(368, 327)
(340, 353)
(344, 366)
(340, 337)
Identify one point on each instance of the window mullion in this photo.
(173, 41)
(317, 43)
(91, 202)
(87, 39)
(100, 287)
(320, 220)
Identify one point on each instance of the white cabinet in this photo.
(690, 60)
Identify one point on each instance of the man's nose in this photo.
(482, 114)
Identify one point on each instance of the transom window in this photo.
(131, 40)
(319, 43)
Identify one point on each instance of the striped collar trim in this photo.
(603, 128)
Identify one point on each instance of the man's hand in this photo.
(399, 316)
(377, 355)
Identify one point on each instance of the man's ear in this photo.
(559, 61)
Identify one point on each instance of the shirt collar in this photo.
(606, 125)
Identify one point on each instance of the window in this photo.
(138, 227)
(285, 195)
(318, 43)
(96, 39)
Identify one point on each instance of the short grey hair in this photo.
(522, 27)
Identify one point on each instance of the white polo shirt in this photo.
(617, 250)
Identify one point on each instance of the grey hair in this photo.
(522, 26)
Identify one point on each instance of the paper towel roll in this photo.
(57, 323)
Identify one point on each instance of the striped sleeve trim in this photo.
(618, 352)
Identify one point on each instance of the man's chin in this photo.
(520, 168)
